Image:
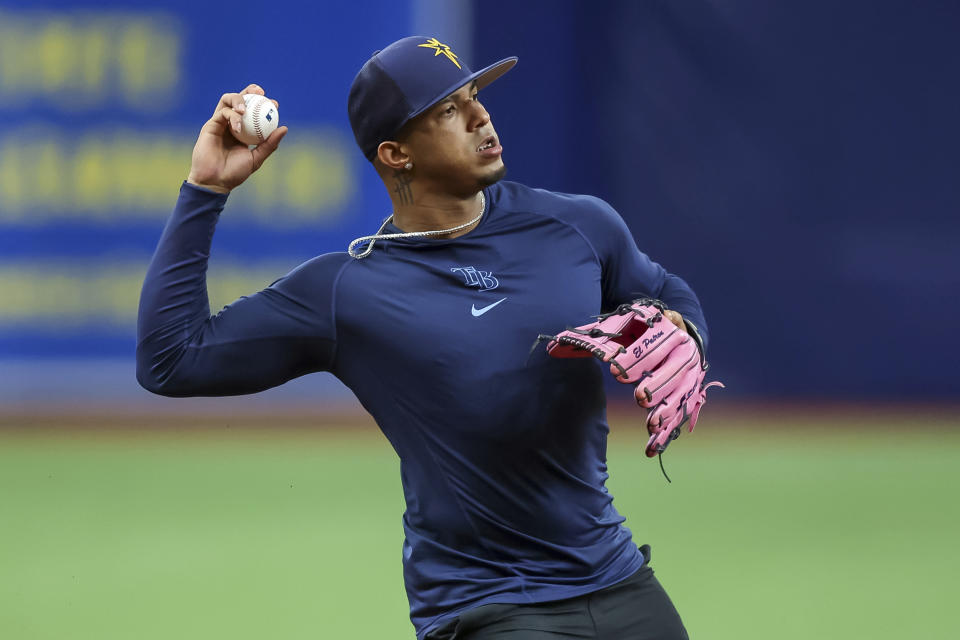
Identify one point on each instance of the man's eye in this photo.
(450, 109)
(475, 97)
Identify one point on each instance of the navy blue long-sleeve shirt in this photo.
(503, 456)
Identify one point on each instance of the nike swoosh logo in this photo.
(479, 312)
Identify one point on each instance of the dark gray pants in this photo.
(635, 609)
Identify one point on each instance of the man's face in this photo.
(454, 146)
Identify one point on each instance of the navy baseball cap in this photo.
(404, 80)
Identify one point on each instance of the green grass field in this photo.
(779, 527)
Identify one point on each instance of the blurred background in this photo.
(795, 162)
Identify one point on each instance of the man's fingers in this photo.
(676, 319)
(236, 102)
(267, 147)
(227, 118)
(231, 116)
(226, 100)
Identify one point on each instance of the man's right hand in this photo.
(220, 161)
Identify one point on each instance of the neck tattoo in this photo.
(403, 190)
(352, 249)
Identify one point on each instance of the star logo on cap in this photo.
(441, 48)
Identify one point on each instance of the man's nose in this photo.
(480, 116)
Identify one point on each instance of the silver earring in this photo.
(408, 166)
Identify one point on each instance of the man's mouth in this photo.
(488, 143)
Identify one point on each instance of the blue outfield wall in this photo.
(795, 162)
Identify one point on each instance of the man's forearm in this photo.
(678, 295)
(173, 301)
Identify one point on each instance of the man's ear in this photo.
(392, 155)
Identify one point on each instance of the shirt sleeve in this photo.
(628, 273)
(257, 342)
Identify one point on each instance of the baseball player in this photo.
(509, 529)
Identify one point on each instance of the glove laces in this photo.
(662, 470)
(354, 253)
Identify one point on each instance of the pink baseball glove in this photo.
(645, 349)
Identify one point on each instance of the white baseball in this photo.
(259, 120)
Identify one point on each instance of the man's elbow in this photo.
(152, 377)
(156, 385)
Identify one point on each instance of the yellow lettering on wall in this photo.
(148, 58)
(93, 59)
(311, 177)
(11, 51)
(74, 60)
(56, 55)
(88, 179)
(63, 295)
(47, 174)
(125, 174)
(12, 192)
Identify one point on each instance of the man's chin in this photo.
(494, 176)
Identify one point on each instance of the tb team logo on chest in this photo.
(473, 277)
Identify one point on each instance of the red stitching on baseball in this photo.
(256, 119)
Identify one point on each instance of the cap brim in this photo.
(483, 78)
